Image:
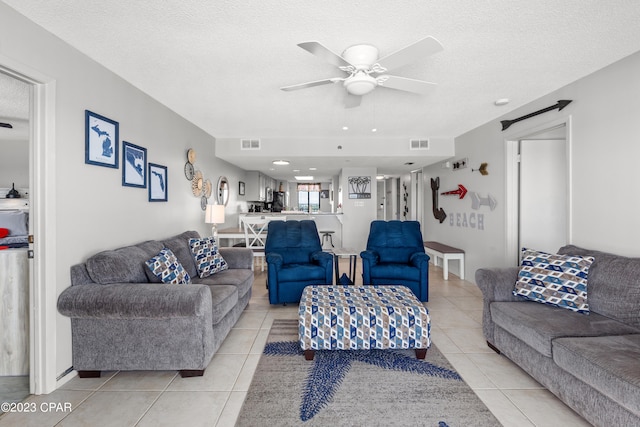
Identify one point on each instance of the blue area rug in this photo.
(356, 388)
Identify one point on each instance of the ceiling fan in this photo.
(366, 71)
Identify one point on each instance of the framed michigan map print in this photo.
(101, 140)
(158, 183)
(134, 165)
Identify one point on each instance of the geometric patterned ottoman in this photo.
(347, 317)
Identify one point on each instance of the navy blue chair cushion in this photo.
(395, 241)
(295, 260)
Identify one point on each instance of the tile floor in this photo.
(165, 399)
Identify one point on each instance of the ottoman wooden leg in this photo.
(421, 353)
(309, 354)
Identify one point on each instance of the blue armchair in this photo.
(295, 260)
(395, 256)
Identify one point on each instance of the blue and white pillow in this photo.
(167, 268)
(559, 280)
(208, 259)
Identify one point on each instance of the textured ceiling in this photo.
(220, 63)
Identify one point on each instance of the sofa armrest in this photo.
(135, 301)
(274, 259)
(322, 258)
(497, 284)
(237, 257)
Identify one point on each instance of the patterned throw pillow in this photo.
(559, 280)
(208, 259)
(167, 268)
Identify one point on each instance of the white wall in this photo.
(358, 213)
(605, 152)
(94, 211)
(14, 163)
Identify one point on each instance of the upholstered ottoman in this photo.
(346, 317)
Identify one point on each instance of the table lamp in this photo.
(214, 215)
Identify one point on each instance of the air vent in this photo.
(418, 144)
(250, 144)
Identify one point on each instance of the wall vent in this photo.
(249, 144)
(418, 144)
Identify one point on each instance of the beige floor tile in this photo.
(469, 371)
(251, 319)
(469, 340)
(41, 416)
(544, 409)
(111, 409)
(503, 409)
(78, 383)
(442, 341)
(452, 319)
(239, 341)
(140, 381)
(475, 315)
(502, 372)
(437, 302)
(246, 373)
(232, 409)
(467, 303)
(220, 375)
(260, 341)
(195, 409)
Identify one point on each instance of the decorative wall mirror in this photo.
(223, 191)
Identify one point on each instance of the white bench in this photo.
(438, 250)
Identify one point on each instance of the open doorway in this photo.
(538, 189)
(15, 252)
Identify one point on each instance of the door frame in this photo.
(42, 188)
(512, 183)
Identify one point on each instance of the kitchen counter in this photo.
(324, 221)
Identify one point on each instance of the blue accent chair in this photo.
(395, 256)
(295, 260)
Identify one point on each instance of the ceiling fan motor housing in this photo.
(361, 56)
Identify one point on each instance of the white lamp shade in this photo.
(214, 214)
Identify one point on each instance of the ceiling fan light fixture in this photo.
(360, 83)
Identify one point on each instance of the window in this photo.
(309, 197)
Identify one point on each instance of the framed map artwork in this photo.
(101, 140)
(134, 165)
(158, 184)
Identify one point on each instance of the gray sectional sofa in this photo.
(124, 318)
(591, 362)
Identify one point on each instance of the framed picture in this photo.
(324, 194)
(158, 191)
(241, 188)
(101, 140)
(359, 187)
(134, 165)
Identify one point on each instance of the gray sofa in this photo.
(124, 318)
(591, 362)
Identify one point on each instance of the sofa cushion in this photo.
(168, 269)
(609, 364)
(123, 265)
(614, 284)
(301, 272)
(240, 278)
(206, 256)
(179, 245)
(223, 298)
(558, 280)
(393, 271)
(538, 324)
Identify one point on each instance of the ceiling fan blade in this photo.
(323, 52)
(352, 101)
(406, 84)
(425, 47)
(6, 125)
(311, 84)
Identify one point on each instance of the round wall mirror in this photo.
(223, 191)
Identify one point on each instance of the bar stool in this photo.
(327, 235)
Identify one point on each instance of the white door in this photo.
(543, 194)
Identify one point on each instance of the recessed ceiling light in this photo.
(380, 177)
(280, 162)
(502, 101)
(313, 169)
(345, 127)
(304, 178)
(296, 170)
(374, 130)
